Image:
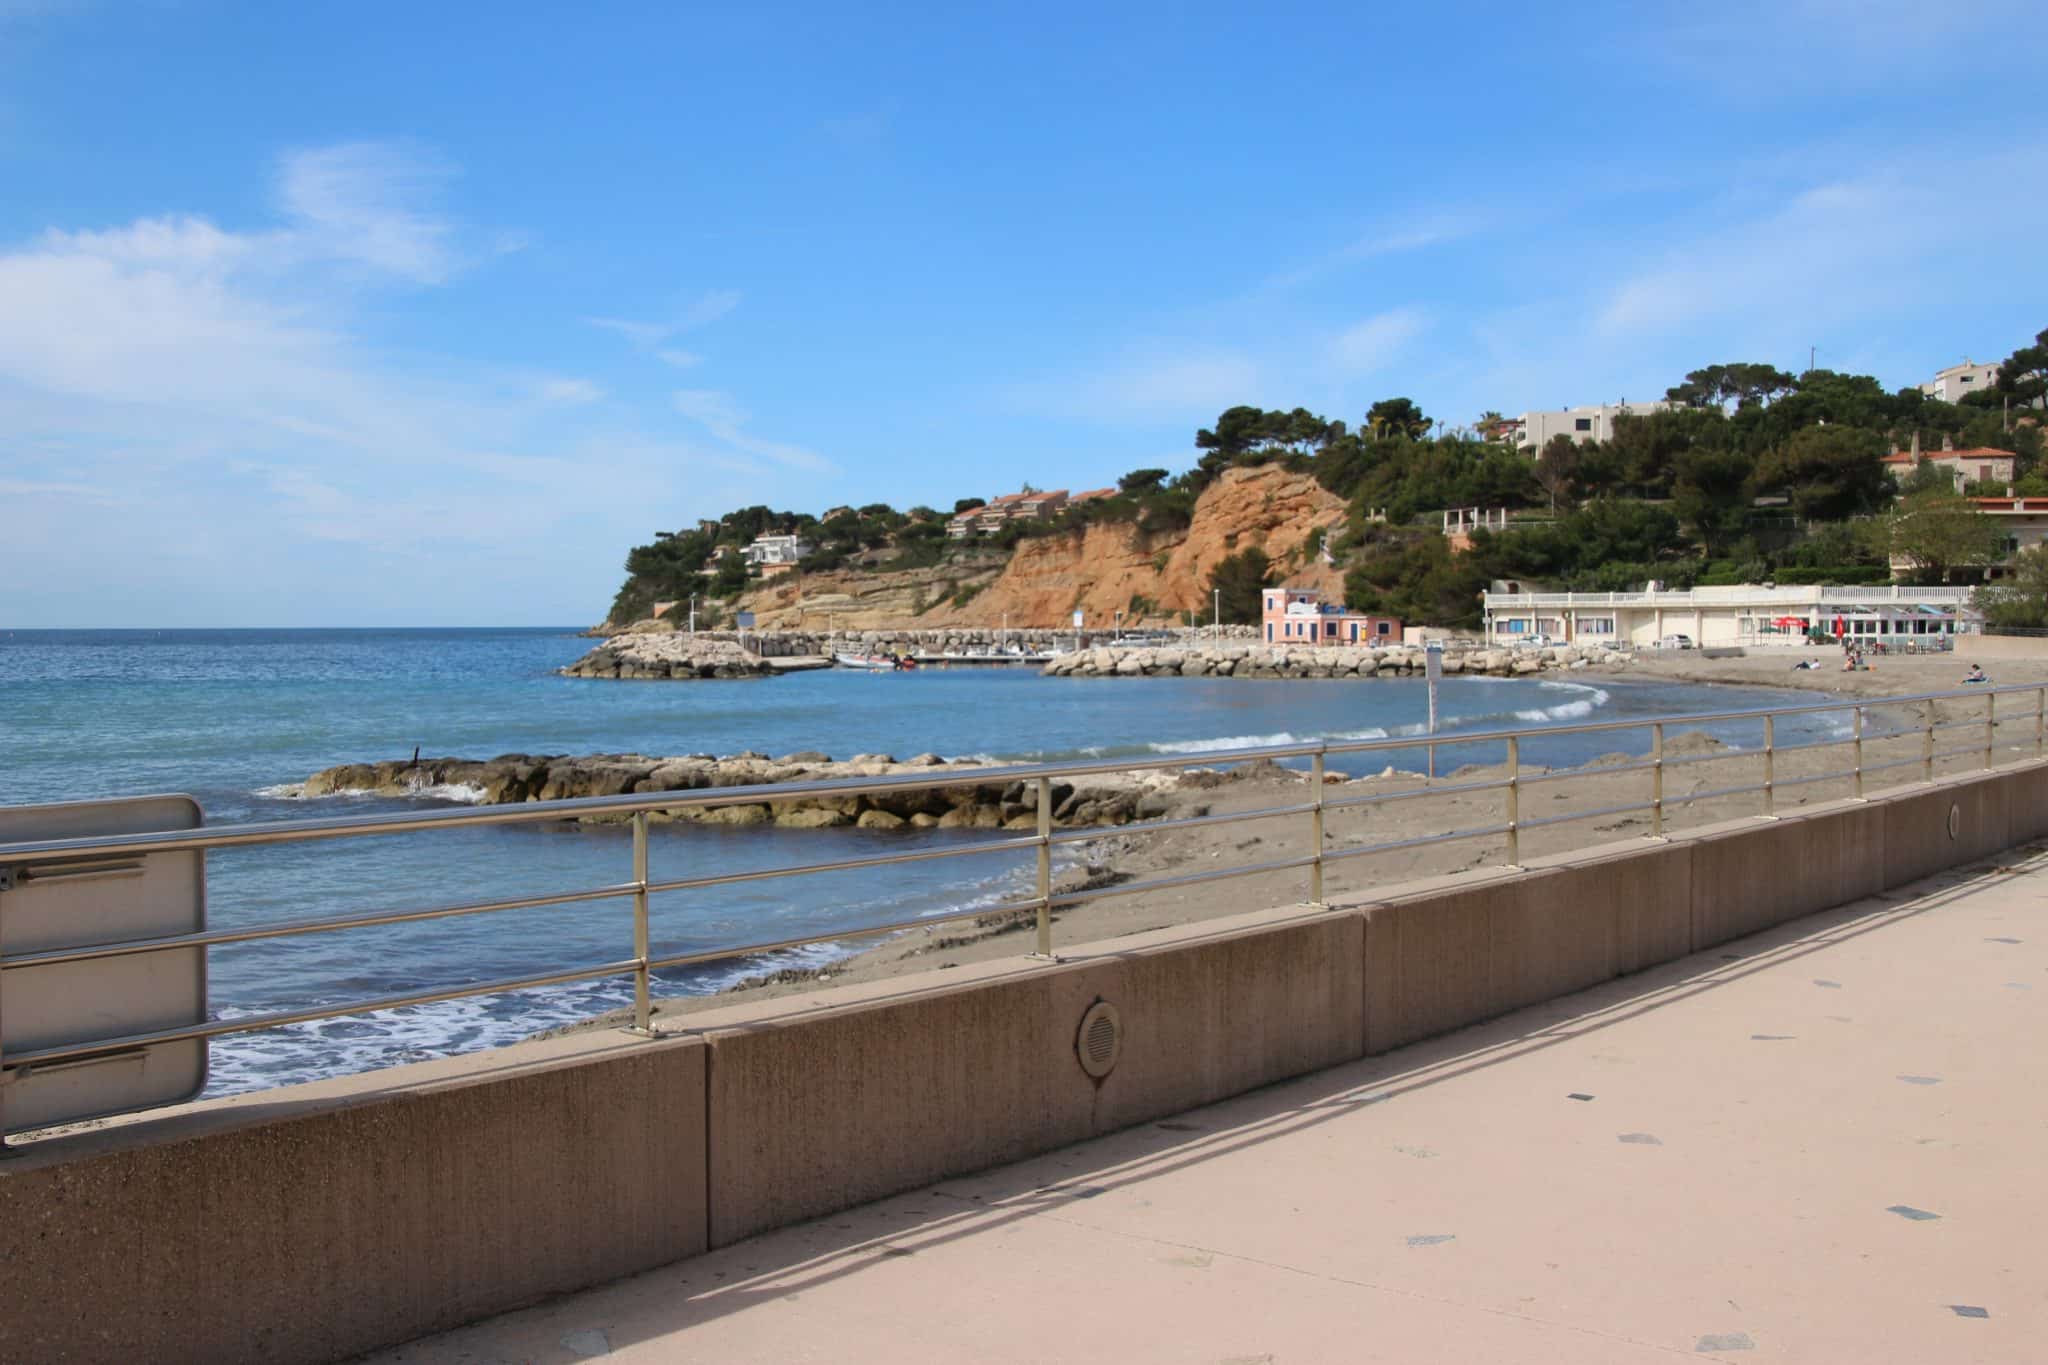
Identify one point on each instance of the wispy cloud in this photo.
(1389, 237)
(1780, 50)
(718, 413)
(682, 360)
(213, 398)
(707, 308)
(1372, 344)
(568, 392)
(369, 202)
(1833, 252)
(639, 333)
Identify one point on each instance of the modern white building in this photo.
(1533, 430)
(1749, 614)
(1958, 382)
(776, 551)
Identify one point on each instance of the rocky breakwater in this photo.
(1311, 661)
(669, 656)
(1101, 799)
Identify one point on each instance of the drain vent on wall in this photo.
(1955, 821)
(1101, 1039)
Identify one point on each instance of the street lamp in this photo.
(1218, 622)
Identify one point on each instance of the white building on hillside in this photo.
(774, 554)
(1958, 382)
(1533, 430)
(1749, 614)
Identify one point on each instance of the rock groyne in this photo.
(724, 654)
(1315, 661)
(1101, 799)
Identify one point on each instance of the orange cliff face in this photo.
(1098, 571)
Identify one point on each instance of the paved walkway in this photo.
(1824, 1144)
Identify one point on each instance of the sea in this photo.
(236, 718)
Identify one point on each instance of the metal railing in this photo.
(47, 856)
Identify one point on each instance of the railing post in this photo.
(1770, 767)
(1657, 780)
(1990, 727)
(1514, 792)
(1045, 867)
(1315, 869)
(643, 986)
(1859, 753)
(1927, 747)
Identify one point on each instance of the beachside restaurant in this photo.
(1897, 616)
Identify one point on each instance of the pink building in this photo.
(1300, 616)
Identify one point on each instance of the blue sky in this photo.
(423, 314)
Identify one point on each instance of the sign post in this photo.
(1433, 669)
(50, 904)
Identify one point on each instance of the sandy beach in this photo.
(1559, 812)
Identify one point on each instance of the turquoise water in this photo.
(232, 717)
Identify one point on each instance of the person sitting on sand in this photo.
(1976, 675)
(1805, 664)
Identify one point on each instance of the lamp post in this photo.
(693, 613)
(1217, 622)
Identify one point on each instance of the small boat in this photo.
(875, 663)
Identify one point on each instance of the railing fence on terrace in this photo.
(48, 857)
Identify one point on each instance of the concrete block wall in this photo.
(318, 1222)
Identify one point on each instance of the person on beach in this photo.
(1976, 675)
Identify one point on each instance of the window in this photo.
(1596, 625)
(1969, 379)
(1582, 424)
(1383, 628)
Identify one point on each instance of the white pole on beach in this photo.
(1216, 619)
(1433, 669)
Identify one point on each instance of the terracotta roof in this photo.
(1092, 494)
(1973, 453)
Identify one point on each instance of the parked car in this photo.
(1530, 642)
(1675, 642)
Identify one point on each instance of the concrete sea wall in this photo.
(320, 1221)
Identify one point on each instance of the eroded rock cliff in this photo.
(1107, 568)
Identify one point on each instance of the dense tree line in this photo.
(1751, 473)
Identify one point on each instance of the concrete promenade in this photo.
(1824, 1143)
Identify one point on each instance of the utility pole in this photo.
(1811, 353)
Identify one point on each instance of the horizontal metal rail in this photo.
(55, 856)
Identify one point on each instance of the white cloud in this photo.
(1855, 247)
(682, 360)
(639, 333)
(720, 415)
(712, 306)
(360, 201)
(1371, 344)
(209, 397)
(1772, 50)
(1389, 237)
(567, 391)
(706, 309)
